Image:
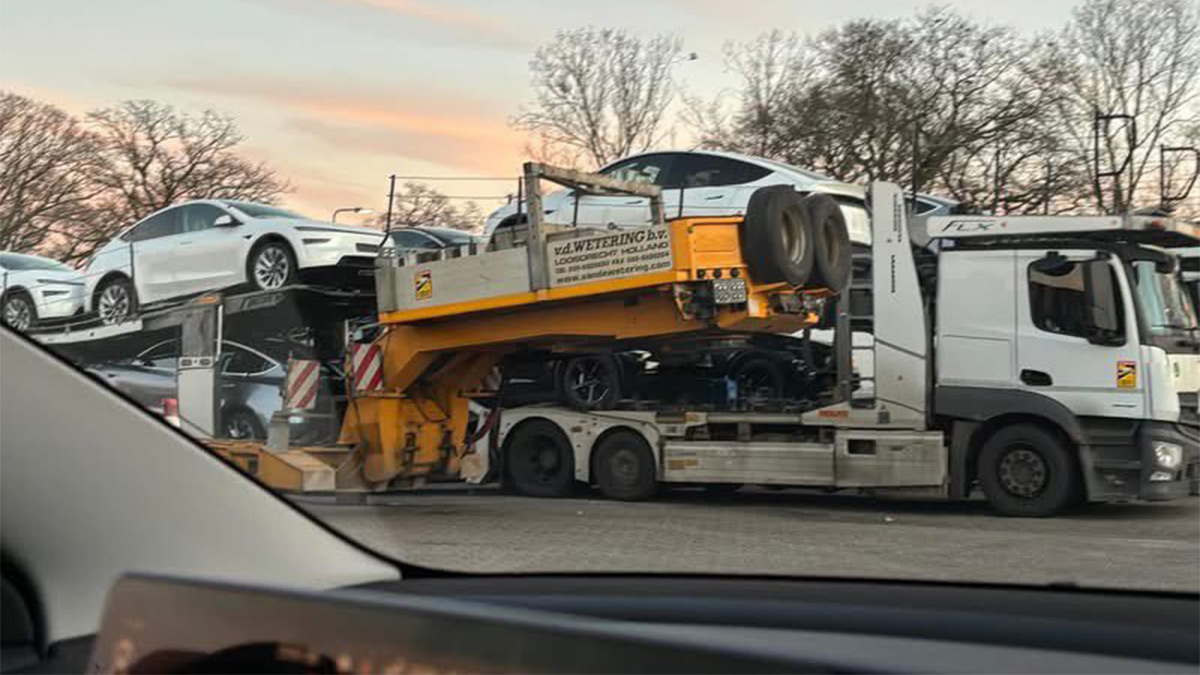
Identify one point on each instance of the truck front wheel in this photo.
(625, 467)
(1028, 471)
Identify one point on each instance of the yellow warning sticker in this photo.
(424, 285)
(1127, 374)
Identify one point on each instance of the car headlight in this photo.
(1168, 455)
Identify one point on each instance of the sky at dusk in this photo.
(338, 94)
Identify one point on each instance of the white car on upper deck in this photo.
(213, 244)
(696, 183)
(34, 289)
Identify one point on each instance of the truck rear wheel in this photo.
(540, 460)
(777, 240)
(1027, 471)
(625, 467)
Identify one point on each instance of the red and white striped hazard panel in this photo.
(366, 366)
(302, 380)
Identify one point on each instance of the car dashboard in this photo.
(541, 624)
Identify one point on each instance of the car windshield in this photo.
(752, 361)
(1164, 300)
(22, 263)
(264, 211)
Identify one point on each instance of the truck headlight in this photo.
(1168, 455)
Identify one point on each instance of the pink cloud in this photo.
(479, 26)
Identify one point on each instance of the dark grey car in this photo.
(250, 392)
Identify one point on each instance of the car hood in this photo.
(68, 276)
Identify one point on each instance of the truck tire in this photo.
(777, 240)
(1028, 471)
(831, 242)
(539, 459)
(625, 467)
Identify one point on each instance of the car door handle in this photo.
(714, 197)
(185, 243)
(1036, 378)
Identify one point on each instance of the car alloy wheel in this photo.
(586, 379)
(115, 304)
(272, 267)
(18, 312)
(240, 427)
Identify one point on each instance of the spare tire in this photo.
(777, 241)
(832, 261)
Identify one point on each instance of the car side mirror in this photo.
(226, 221)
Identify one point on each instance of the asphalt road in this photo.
(1150, 546)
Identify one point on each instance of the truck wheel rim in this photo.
(791, 231)
(271, 267)
(541, 461)
(114, 304)
(18, 314)
(1023, 472)
(624, 466)
(587, 382)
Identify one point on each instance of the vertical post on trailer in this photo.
(843, 346)
(391, 200)
(199, 358)
(539, 277)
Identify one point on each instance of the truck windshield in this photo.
(1163, 300)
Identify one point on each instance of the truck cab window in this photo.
(1061, 302)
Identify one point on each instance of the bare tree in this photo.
(600, 94)
(48, 165)
(157, 156)
(937, 100)
(1135, 57)
(418, 205)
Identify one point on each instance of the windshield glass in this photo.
(1164, 301)
(714, 379)
(21, 263)
(264, 211)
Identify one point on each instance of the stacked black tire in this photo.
(798, 239)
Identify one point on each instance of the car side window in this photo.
(164, 356)
(711, 171)
(238, 361)
(199, 217)
(413, 239)
(652, 169)
(162, 224)
(1058, 299)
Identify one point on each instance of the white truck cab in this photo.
(1082, 324)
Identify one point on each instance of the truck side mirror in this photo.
(1103, 301)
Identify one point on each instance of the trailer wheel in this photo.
(1028, 471)
(540, 460)
(625, 467)
(777, 239)
(831, 242)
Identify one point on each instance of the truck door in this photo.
(1077, 337)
